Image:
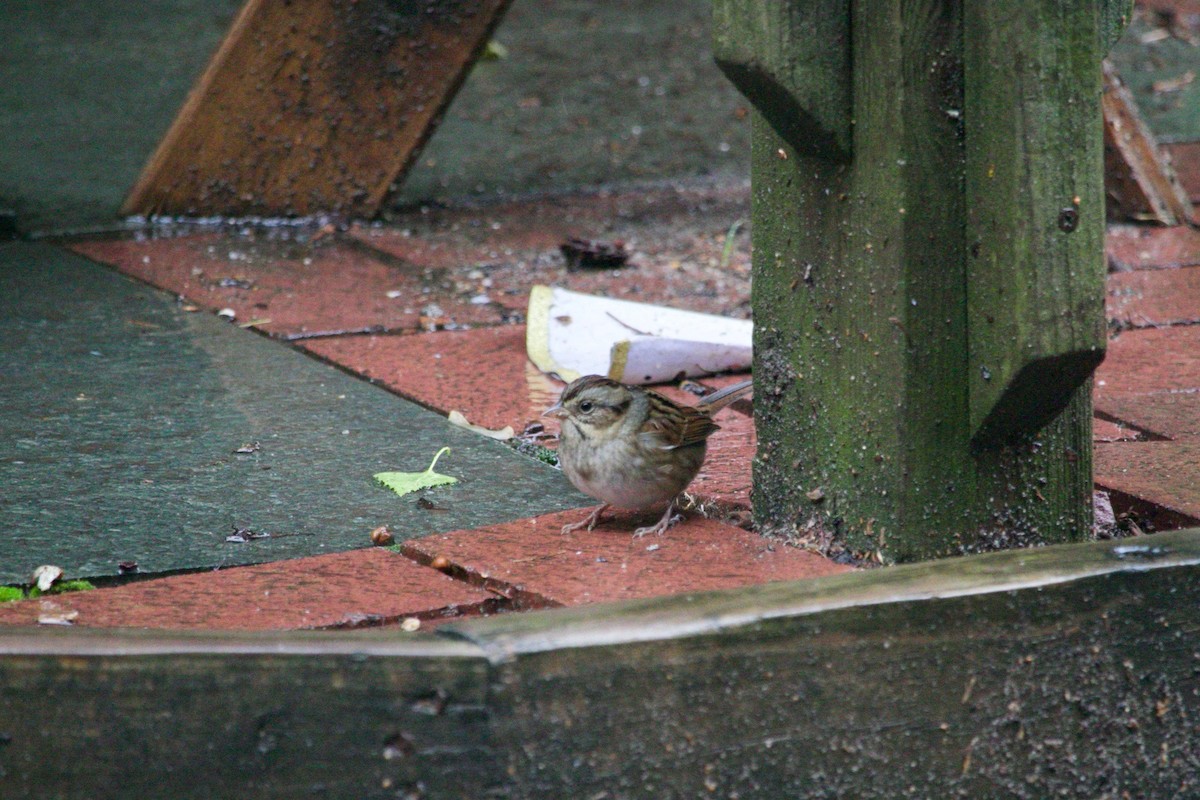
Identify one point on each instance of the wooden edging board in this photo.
(1071, 670)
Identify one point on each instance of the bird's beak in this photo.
(555, 410)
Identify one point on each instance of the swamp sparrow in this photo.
(630, 447)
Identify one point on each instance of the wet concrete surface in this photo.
(1155, 55)
(585, 94)
(88, 90)
(123, 414)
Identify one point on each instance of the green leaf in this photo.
(406, 482)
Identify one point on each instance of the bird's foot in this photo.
(589, 522)
(668, 519)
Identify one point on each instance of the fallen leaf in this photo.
(45, 576)
(243, 535)
(457, 418)
(406, 482)
(590, 254)
(58, 618)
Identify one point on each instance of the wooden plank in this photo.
(794, 59)
(1067, 671)
(1139, 178)
(1035, 211)
(137, 714)
(313, 106)
(1063, 670)
(1115, 16)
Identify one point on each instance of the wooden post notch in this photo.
(313, 106)
(928, 293)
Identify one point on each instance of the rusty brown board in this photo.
(313, 106)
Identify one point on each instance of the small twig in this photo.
(624, 325)
(294, 337)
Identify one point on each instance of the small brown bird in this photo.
(630, 447)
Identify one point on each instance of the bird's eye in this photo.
(586, 406)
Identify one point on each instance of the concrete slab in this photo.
(87, 90)
(355, 589)
(1150, 61)
(588, 94)
(122, 414)
(533, 563)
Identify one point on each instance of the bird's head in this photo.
(593, 405)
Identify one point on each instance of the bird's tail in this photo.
(714, 402)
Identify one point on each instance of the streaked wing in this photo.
(674, 425)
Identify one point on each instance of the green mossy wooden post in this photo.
(928, 266)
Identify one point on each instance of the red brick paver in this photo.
(1149, 383)
(1152, 298)
(360, 587)
(1162, 473)
(1106, 431)
(1147, 247)
(483, 373)
(1149, 361)
(676, 240)
(1185, 156)
(535, 563)
(1165, 415)
(289, 288)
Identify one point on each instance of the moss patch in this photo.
(10, 593)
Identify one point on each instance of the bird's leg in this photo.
(668, 519)
(589, 522)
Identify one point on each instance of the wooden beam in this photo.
(1139, 178)
(1035, 212)
(795, 58)
(928, 301)
(146, 714)
(1068, 670)
(313, 106)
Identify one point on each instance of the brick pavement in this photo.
(431, 308)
